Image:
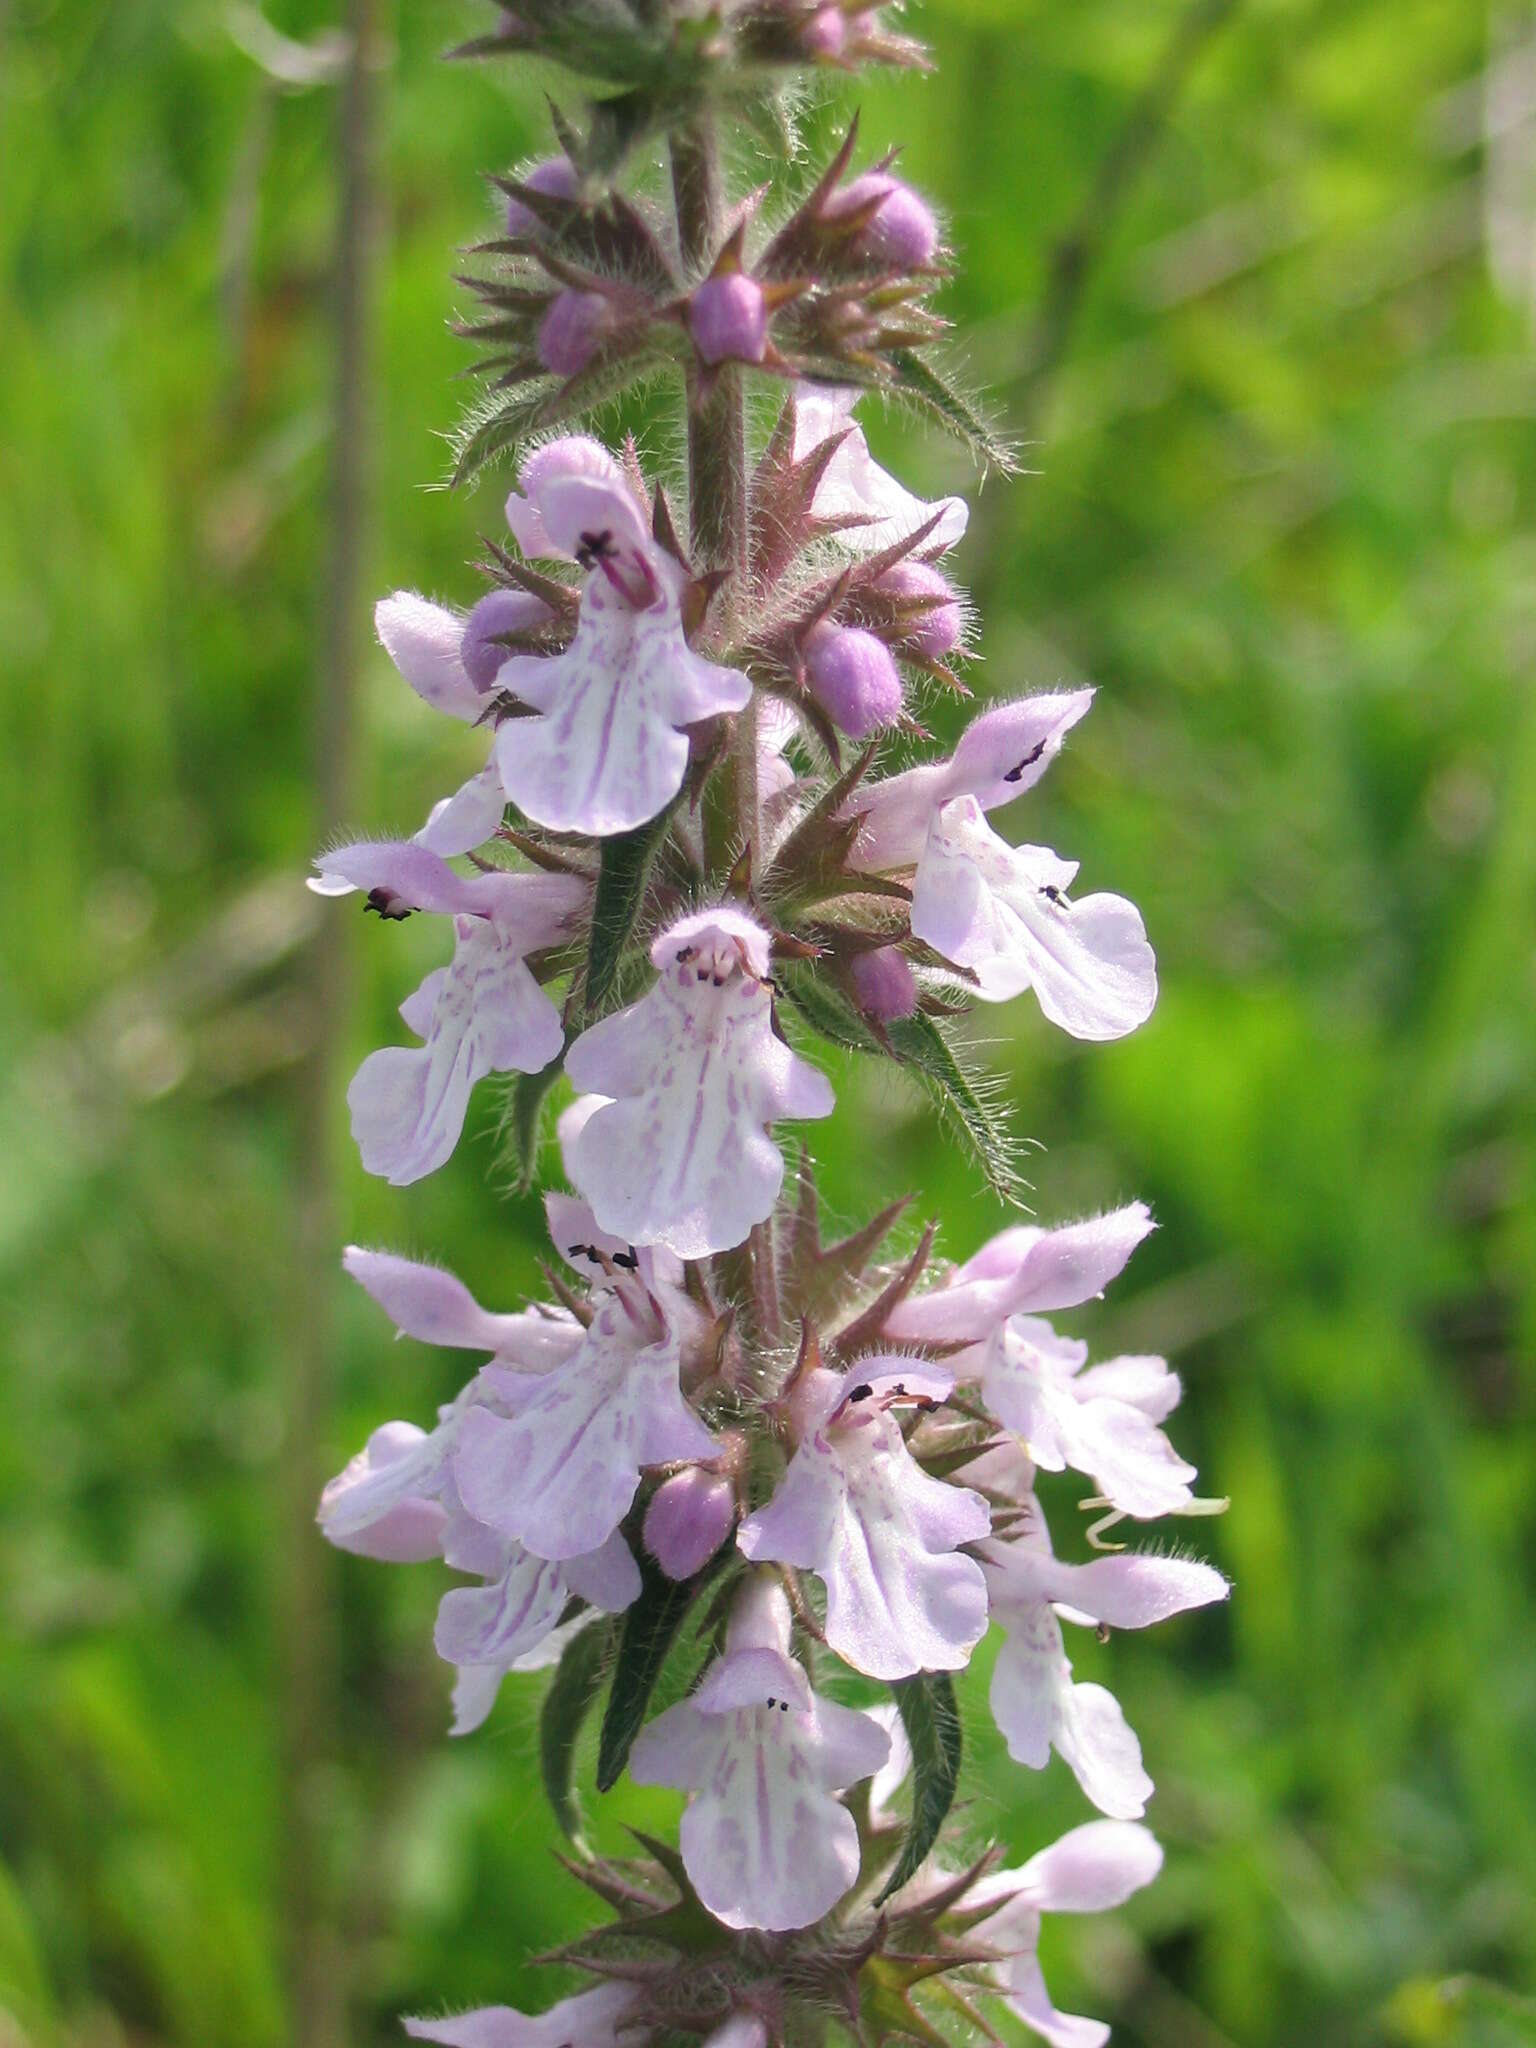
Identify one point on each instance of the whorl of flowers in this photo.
(767, 1479)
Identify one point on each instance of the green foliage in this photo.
(646, 1637)
(928, 1712)
(572, 1693)
(626, 863)
(1286, 481)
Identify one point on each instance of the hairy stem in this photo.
(717, 434)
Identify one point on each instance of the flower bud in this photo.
(556, 179)
(728, 319)
(901, 232)
(884, 986)
(498, 613)
(825, 34)
(689, 1517)
(571, 330)
(935, 630)
(853, 678)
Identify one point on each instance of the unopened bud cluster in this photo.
(710, 837)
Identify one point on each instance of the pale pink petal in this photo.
(489, 1016)
(561, 1475)
(607, 1577)
(475, 1687)
(1101, 1751)
(1145, 1383)
(373, 1508)
(741, 2030)
(1092, 1869)
(425, 1302)
(572, 458)
(1024, 1271)
(1132, 1589)
(493, 1623)
(423, 640)
(853, 486)
(1003, 912)
(592, 2019)
(1129, 1459)
(1027, 1998)
(1007, 749)
(467, 819)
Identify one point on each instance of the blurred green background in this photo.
(1256, 282)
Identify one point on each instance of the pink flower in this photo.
(1034, 1701)
(559, 1476)
(764, 1840)
(1023, 1271)
(523, 1596)
(1103, 1421)
(426, 643)
(483, 1014)
(600, 2018)
(1000, 911)
(609, 748)
(856, 1508)
(392, 1500)
(1090, 1870)
(853, 486)
(679, 1154)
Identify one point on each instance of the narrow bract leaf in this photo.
(617, 902)
(649, 1631)
(936, 395)
(918, 1043)
(928, 1712)
(577, 1682)
(518, 1151)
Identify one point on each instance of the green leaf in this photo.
(928, 1712)
(577, 1682)
(948, 405)
(649, 1631)
(626, 868)
(918, 1043)
(518, 1139)
(962, 1102)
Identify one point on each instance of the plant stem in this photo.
(717, 435)
(717, 511)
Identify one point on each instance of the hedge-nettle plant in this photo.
(730, 1464)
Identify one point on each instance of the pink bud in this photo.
(936, 629)
(883, 984)
(901, 232)
(853, 678)
(498, 612)
(556, 179)
(689, 1517)
(728, 319)
(825, 33)
(571, 330)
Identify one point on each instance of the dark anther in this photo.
(861, 1392)
(1102, 1632)
(772, 1701)
(783, 1706)
(629, 1260)
(1029, 760)
(685, 954)
(1051, 893)
(595, 548)
(387, 904)
(587, 1251)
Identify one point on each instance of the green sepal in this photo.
(650, 1628)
